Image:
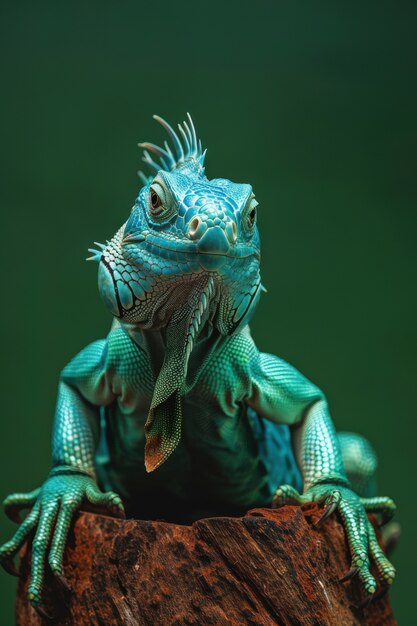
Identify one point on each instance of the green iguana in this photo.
(176, 410)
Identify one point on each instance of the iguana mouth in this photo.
(187, 247)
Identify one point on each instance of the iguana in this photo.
(176, 412)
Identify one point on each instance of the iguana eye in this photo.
(156, 201)
(161, 203)
(249, 214)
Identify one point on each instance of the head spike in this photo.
(149, 161)
(165, 165)
(160, 152)
(143, 178)
(168, 149)
(185, 138)
(194, 136)
(190, 138)
(171, 132)
(186, 145)
(96, 255)
(202, 157)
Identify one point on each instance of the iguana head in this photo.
(185, 232)
(186, 262)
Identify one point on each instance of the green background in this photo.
(314, 103)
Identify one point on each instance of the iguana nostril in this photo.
(231, 231)
(196, 228)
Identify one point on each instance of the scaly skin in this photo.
(180, 387)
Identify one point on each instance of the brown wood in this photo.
(269, 567)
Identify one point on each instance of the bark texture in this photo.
(268, 567)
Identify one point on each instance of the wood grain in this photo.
(268, 567)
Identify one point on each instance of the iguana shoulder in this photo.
(107, 368)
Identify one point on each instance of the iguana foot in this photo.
(53, 507)
(362, 540)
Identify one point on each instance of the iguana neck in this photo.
(153, 342)
(177, 353)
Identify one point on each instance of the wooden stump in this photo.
(269, 567)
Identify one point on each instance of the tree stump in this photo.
(268, 567)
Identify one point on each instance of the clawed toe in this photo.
(381, 594)
(366, 602)
(119, 512)
(9, 566)
(351, 573)
(63, 582)
(13, 513)
(44, 614)
(328, 511)
(391, 534)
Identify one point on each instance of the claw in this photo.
(10, 567)
(366, 602)
(121, 513)
(385, 518)
(13, 514)
(63, 582)
(351, 573)
(44, 614)
(391, 536)
(380, 595)
(118, 508)
(328, 511)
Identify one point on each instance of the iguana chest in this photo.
(213, 408)
(217, 454)
(213, 390)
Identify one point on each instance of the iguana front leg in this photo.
(280, 393)
(71, 482)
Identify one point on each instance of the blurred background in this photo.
(312, 103)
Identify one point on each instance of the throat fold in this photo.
(164, 422)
